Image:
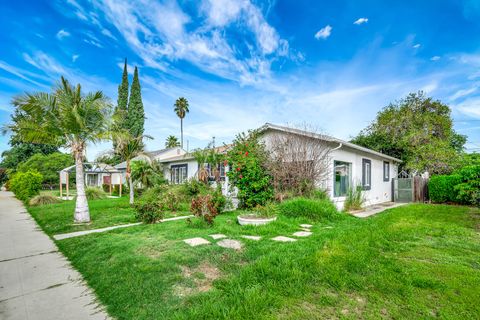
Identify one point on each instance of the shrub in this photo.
(248, 159)
(148, 207)
(43, 199)
(169, 200)
(193, 188)
(94, 193)
(268, 210)
(354, 199)
(441, 188)
(26, 184)
(309, 208)
(319, 194)
(48, 166)
(468, 191)
(207, 207)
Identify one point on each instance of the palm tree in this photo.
(181, 109)
(172, 142)
(68, 118)
(128, 147)
(147, 173)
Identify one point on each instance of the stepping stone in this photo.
(193, 242)
(307, 226)
(255, 238)
(302, 234)
(218, 236)
(231, 244)
(283, 239)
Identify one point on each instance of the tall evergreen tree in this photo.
(122, 100)
(136, 114)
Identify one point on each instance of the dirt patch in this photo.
(200, 279)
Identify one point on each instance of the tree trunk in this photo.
(82, 213)
(181, 132)
(130, 182)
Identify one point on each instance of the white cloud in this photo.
(160, 37)
(361, 21)
(75, 57)
(435, 58)
(62, 34)
(324, 33)
(418, 45)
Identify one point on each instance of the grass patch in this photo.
(410, 262)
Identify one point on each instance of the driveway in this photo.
(36, 280)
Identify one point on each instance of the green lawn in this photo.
(58, 218)
(412, 262)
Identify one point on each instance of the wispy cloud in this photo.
(75, 57)
(161, 42)
(416, 46)
(324, 33)
(435, 58)
(360, 21)
(62, 34)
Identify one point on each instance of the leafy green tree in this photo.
(247, 159)
(181, 109)
(47, 165)
(419, 131)
(135, 115)
(21, 152)
(172, 142)
(108, 157)
(66, 117)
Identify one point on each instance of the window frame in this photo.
(334, 177)
(386, 173)
(178, 168)
(364, 174)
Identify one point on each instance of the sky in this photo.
(330, 64)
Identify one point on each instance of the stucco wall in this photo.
(192, 168)
(381, 191)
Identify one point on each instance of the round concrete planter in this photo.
(254, 220)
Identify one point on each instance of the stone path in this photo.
(237, 245)
(36, 280)
(82, 233)
(377, 208)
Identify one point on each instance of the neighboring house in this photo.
(349, 166)
(158, 155)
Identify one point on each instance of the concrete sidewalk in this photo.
(36, 280)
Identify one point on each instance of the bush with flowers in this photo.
(248, 173)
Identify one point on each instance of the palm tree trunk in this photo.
(181, 132)
(130, 182)
(82, 213)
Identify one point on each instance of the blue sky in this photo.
(332, 64)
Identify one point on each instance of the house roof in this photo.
(342, 143)
(152, 154)
(189, 156)
(93, 167)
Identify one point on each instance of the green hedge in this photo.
(26, 185)
(442, 188)
(309, 208)
(468, 191)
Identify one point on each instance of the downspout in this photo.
(339, 146)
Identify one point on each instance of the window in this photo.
(366, 174)
(212, 172)
(343, 177)
(178, 173)
(386, 171)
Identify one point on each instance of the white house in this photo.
(349, 165)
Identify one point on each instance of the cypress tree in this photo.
(136, 114)
(122, 102)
